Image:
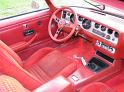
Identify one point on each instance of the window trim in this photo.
(24, 14)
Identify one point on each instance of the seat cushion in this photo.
(52, 65)
(37, 71)
(96, 87)
(38, 55)
(9, 84)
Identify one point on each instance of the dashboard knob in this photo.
(108, 37)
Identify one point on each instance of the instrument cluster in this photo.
(94, 28)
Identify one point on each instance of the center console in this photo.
(97, 68)
(58, 84)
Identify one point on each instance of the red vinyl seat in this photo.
(96, 87)
(39, 68)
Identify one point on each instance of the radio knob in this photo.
(108, 37)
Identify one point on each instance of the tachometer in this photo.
(86, 24)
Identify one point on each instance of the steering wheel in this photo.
(62, 25)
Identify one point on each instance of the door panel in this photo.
(12, 30)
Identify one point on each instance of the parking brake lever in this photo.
(81, 59)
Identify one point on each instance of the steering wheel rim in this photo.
(73, 25)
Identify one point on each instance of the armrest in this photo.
(59, 84)
(23, 44)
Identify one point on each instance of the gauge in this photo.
(103, 28)
(72, 18)
(86, 24)
(116, 34)
(97, 25)
(80, 18)
(109, 31)
(64, 14)
(68, 14)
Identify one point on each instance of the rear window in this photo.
(9, 8)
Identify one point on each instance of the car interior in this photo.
(63, 49)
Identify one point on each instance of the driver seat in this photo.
(42, 66)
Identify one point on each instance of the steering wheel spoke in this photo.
(56, 19)
(57, 33)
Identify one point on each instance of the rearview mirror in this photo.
(95, 4)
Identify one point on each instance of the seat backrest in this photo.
(10, 52)
(10, 64)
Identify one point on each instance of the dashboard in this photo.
(94, 28)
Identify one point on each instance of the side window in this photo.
(9, 8)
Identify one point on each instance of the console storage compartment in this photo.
(96, 64)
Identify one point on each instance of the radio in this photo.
(106, 47)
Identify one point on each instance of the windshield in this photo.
(84, 3)
(80, 3)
